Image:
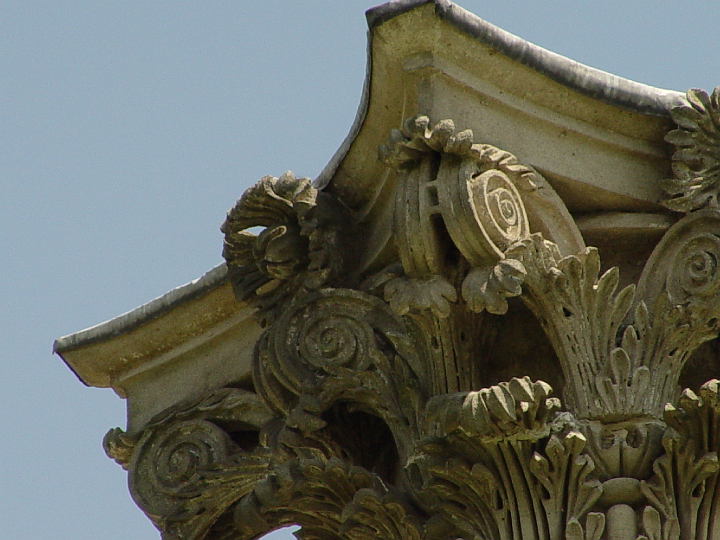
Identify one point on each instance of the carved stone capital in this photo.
(419, 344)
(379, 405)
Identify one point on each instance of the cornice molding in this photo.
(595, 83)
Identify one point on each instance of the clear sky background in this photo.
(128, 128)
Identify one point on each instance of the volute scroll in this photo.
(469, 187)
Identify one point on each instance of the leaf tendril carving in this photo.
(305, 235)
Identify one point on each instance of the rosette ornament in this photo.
(696, 161)
(301, 247)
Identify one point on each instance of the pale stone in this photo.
(438, 353)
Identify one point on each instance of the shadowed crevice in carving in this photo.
(365, 438)
(516, 354)
(703, 365)
(246, 439)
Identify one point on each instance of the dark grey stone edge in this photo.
(323, 179)
(393, 8)
(139, 316)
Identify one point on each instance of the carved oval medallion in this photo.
(483, 210)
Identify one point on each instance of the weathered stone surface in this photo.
(415, 303)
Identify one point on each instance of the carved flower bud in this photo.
(433, 294)
(280, 251)
(488, 288)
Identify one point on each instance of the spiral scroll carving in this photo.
(475, 190)
(323, 334)
(481, 208)
(496, 204)
(687, 261)
(169, 462)
(327, 339)
(332, 335)
(698, 272)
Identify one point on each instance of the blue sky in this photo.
(128, 128)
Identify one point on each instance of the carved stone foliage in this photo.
(696, 162)
(371, 412)
(301, 246)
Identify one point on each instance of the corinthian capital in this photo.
(420, 344)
